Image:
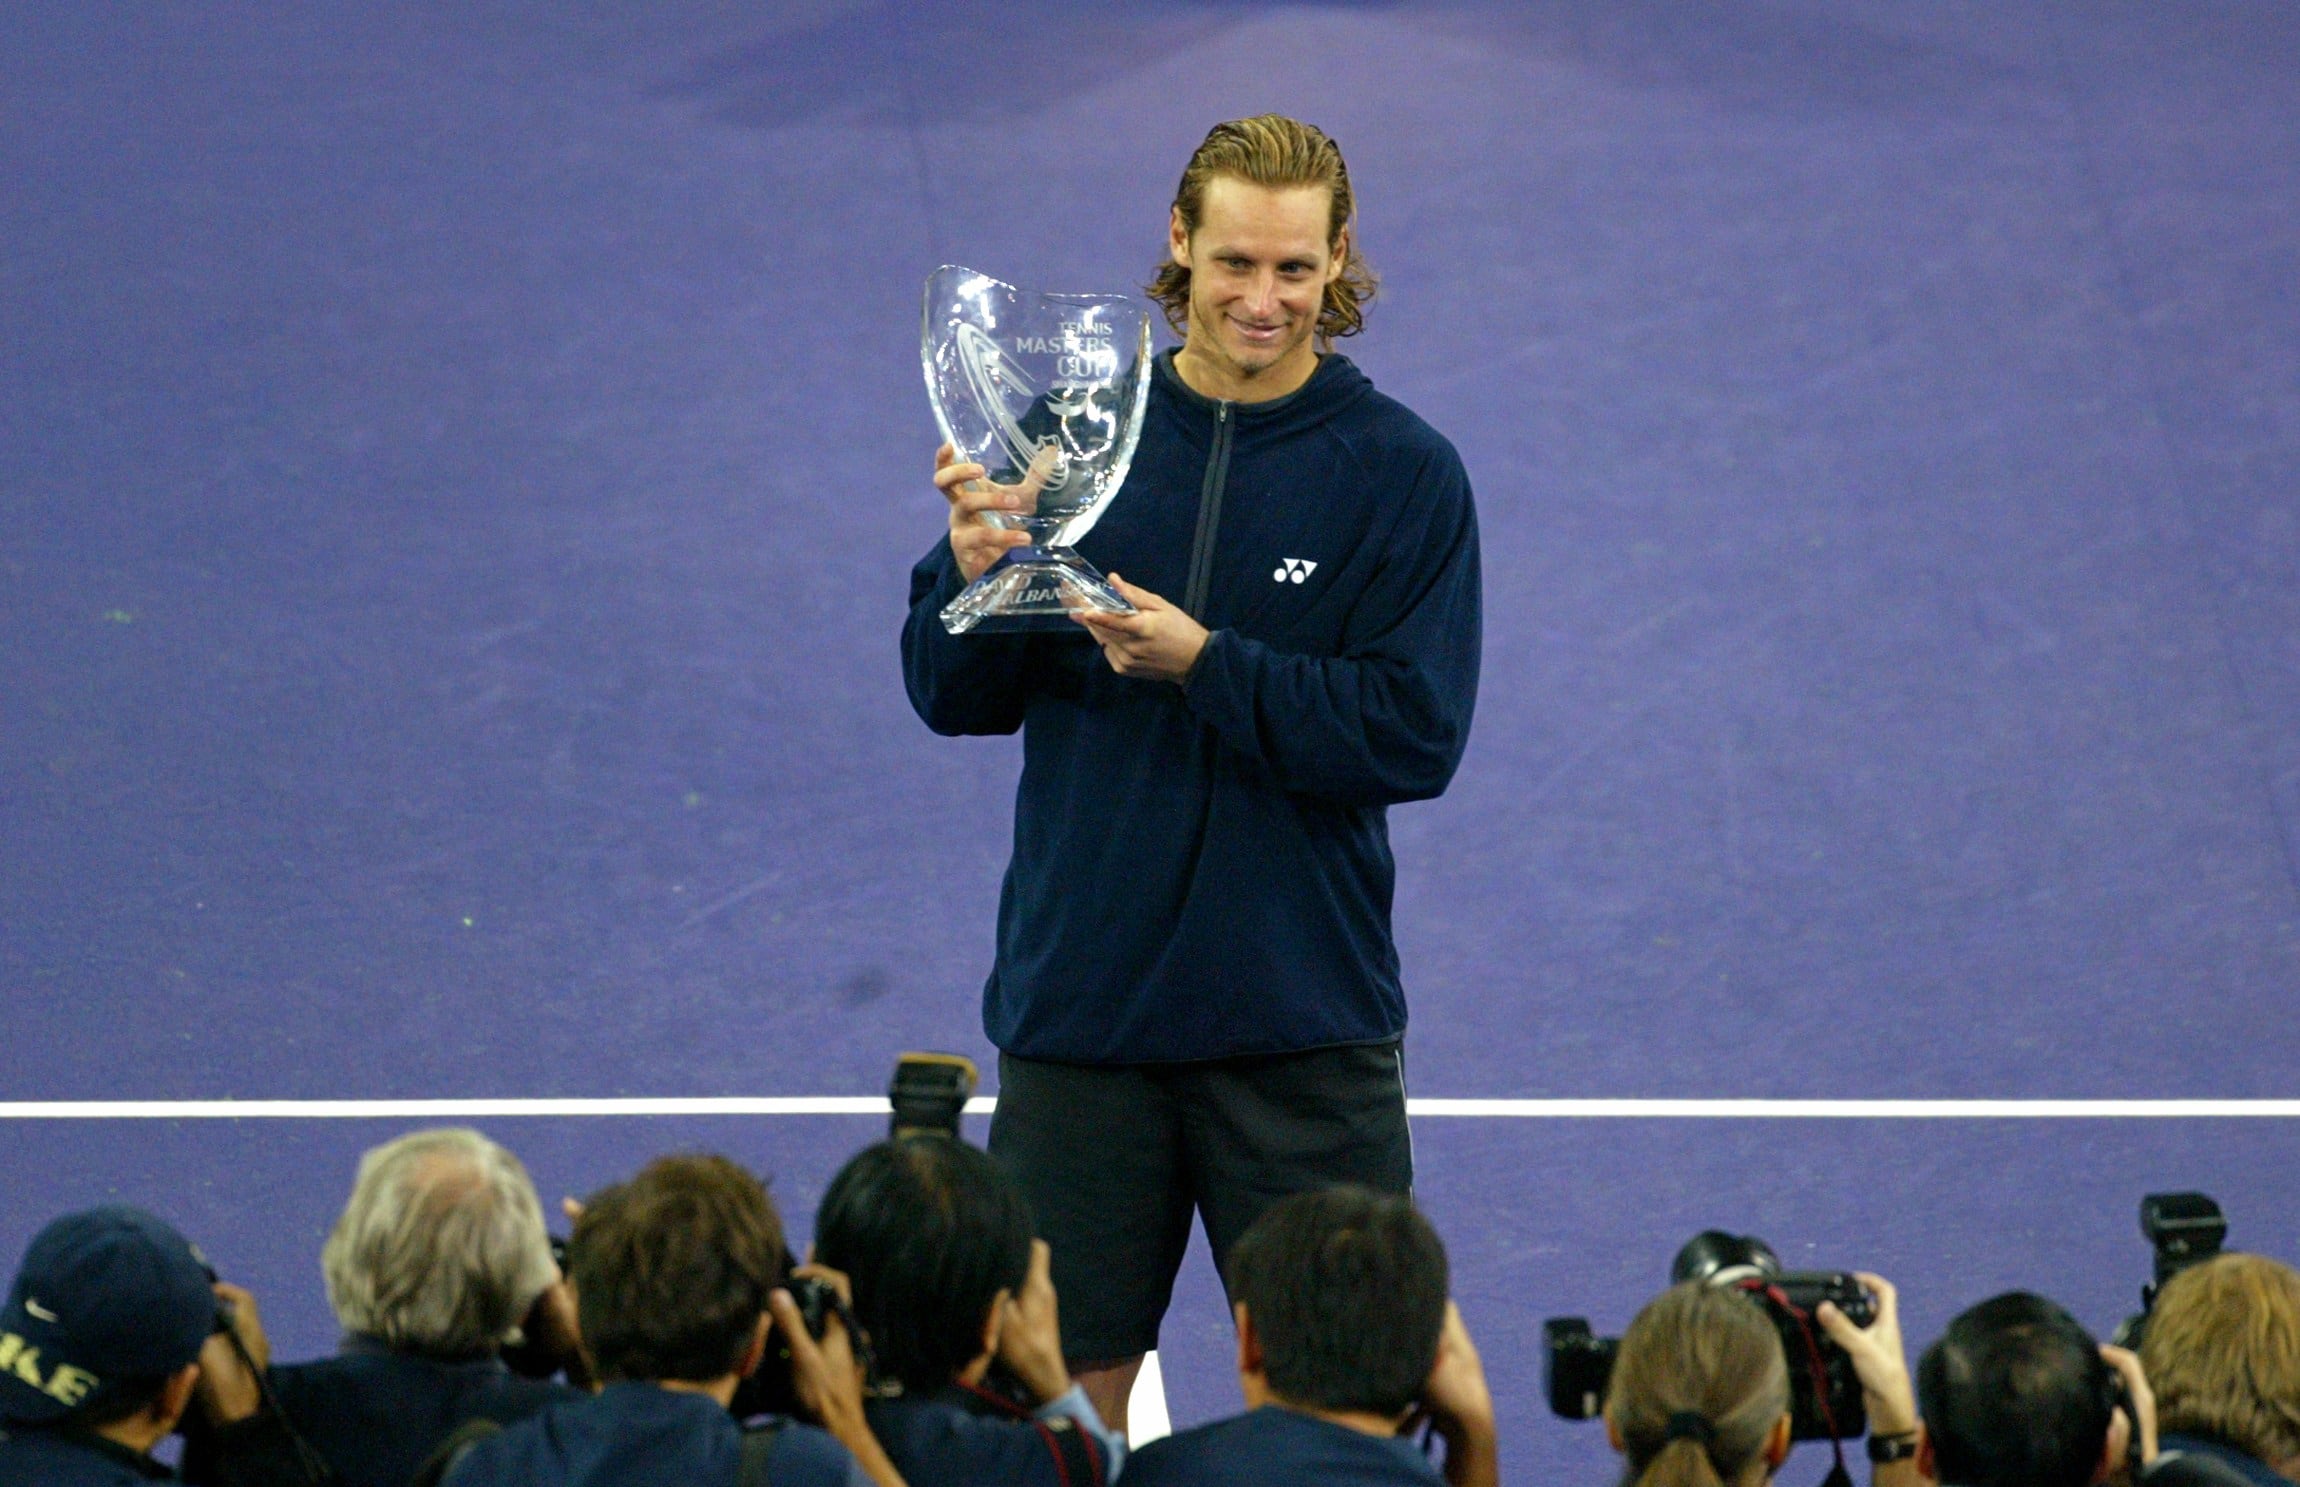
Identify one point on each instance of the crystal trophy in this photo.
(1045, 392)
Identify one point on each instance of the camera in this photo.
(2183, 1229)
(1824, 1392)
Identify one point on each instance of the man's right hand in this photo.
(2139, 1399)
(824, 1374)
(1460, 1405)
(974, 541)
(826, 1377)
(1878, 1357)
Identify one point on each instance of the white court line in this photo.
(448, 1109)
(1146, 1418)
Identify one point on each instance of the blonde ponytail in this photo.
(1698, 1388)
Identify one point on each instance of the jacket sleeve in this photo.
(1387, 719)
(958, 683)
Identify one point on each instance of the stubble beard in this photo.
(1207, 339)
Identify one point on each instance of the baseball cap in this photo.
(105, 1297)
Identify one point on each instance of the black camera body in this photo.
(1825, 1401)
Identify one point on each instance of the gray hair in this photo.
(441, 1248)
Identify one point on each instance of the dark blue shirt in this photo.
(969, 1438)
(45, 1458)
(639, 1435)
(1275, 1447)
(1204, 872)
(2251, 1468)
(376, 1415)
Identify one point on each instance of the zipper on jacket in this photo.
(1209, 516)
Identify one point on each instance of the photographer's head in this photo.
(934, 1237)
(103, 1325)
(2016, 1394)
(1340, 1298)
(1700, 1392)
(441, 1249)
(671, 1272)
(2222, 1351)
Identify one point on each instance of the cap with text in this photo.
(104, 1298)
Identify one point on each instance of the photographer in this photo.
(676, 1274)
(2017, 1394)
(948, 1282)
(2222, 1352)
(1346, 1339)
(438, 1255)
(1700, 1393)
(113, 1331)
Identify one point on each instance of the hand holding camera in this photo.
(1879, 1360)
(233, 1358)
(826, 1376)
(1030, 1331)
(1457, 1403)
(2138, 1402)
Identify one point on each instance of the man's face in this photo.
(1259, 264)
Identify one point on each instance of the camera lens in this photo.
(1713, 1255)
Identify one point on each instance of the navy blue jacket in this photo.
(47, 1458)
(966, 1437)
(255, 1452)
(376, 1415)
(1274, 1447)
(2247, 1467)
(639, 1435)
(1205, 871)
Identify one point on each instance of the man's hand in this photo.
(1878, 1357)
(1460, 1405)
(1030, 1338)
(1158, 642)
(227, 1390)
(554, 1340)
(2139, 1398)
(826, 1377)
(973, 501)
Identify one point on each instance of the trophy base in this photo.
(1031, 588)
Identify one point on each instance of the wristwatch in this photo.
(1884, 1450)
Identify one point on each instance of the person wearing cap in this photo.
(1346, 1338)
(113, 1330)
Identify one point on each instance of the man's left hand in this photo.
(1158, 642)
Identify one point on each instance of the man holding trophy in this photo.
(1196, 994)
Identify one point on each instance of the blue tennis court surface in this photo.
(459, 467)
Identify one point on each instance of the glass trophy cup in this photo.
(1045, 392)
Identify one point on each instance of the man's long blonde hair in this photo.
(2222, 1352)
(1276, 152)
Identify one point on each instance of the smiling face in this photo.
(1259, 264)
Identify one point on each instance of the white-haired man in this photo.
(438, 1259)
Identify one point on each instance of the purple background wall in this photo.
(458, 466)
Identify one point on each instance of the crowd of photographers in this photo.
(675, 1339)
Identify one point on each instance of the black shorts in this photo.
(1115, 1160)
